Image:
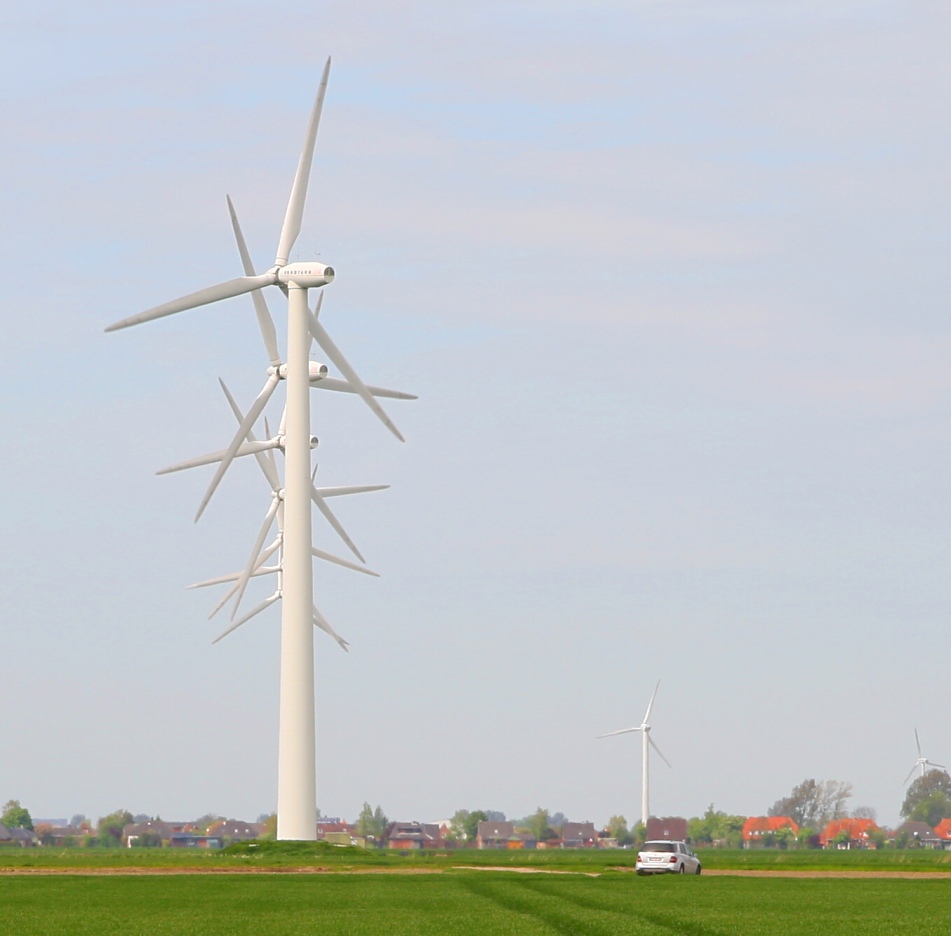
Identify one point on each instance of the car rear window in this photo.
(660, 846)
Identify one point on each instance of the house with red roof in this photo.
(760, 831)
(853, 833)
(943, 831)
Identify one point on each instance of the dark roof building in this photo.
(667, 828)
(920, 832)
(494, 834)
(579, 835)
(233, 830)
(135, 830)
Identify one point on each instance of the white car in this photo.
(666, 857)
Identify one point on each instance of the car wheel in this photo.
(698, 870)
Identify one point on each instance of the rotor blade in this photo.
(321, 622)
(295, 205)
(329, 557)
(910, 772)
(611, 734)
(341, 363)
(659, 751)
(255, 559)
(917, 742)
(234, 588)
(650, 704)
(271, 472)
(261, 607)
(239, 437)
(235, 287)
(225, 598)
(264, 459)
(310, 342)
(334, 522)
(341, 386)
(350, 489)
(234, 576)
(265, 322)
(246, 448)
(272, 463)
(930, 763)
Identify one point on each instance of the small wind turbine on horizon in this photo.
(922, 761)
(292, 498)
(646, 742)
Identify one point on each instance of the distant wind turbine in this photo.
(646, 741)
(922, 761)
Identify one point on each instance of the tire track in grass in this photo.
(668, 922)
(558, 913)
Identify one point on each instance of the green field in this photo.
(358, 891)
(471, 901)
(290, 855)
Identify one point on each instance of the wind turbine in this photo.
(260, 554)
(922, 761)
(297, 788)
(646, 742)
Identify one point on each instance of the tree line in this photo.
(811, 804)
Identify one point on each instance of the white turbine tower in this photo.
(922, 761)
(646, 742)
(291, 503)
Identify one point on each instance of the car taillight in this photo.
(672, 858)
(640, 857)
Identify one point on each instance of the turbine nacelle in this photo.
(316, 371)
(305, 275)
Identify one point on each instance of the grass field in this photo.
(290, 855)
(365, 892)
(470, 901)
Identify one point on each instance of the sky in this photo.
(670, 280)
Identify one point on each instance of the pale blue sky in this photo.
(670, 279)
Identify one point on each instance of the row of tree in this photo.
(929, 798)
(811, 804)
(107, 831)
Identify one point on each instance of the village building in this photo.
(943, 831)
(414, 835)
(494, 834)
(579, 835)
(666, 829)
(847, 833)
(918, 833)
(233, 830)
(761, 831)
